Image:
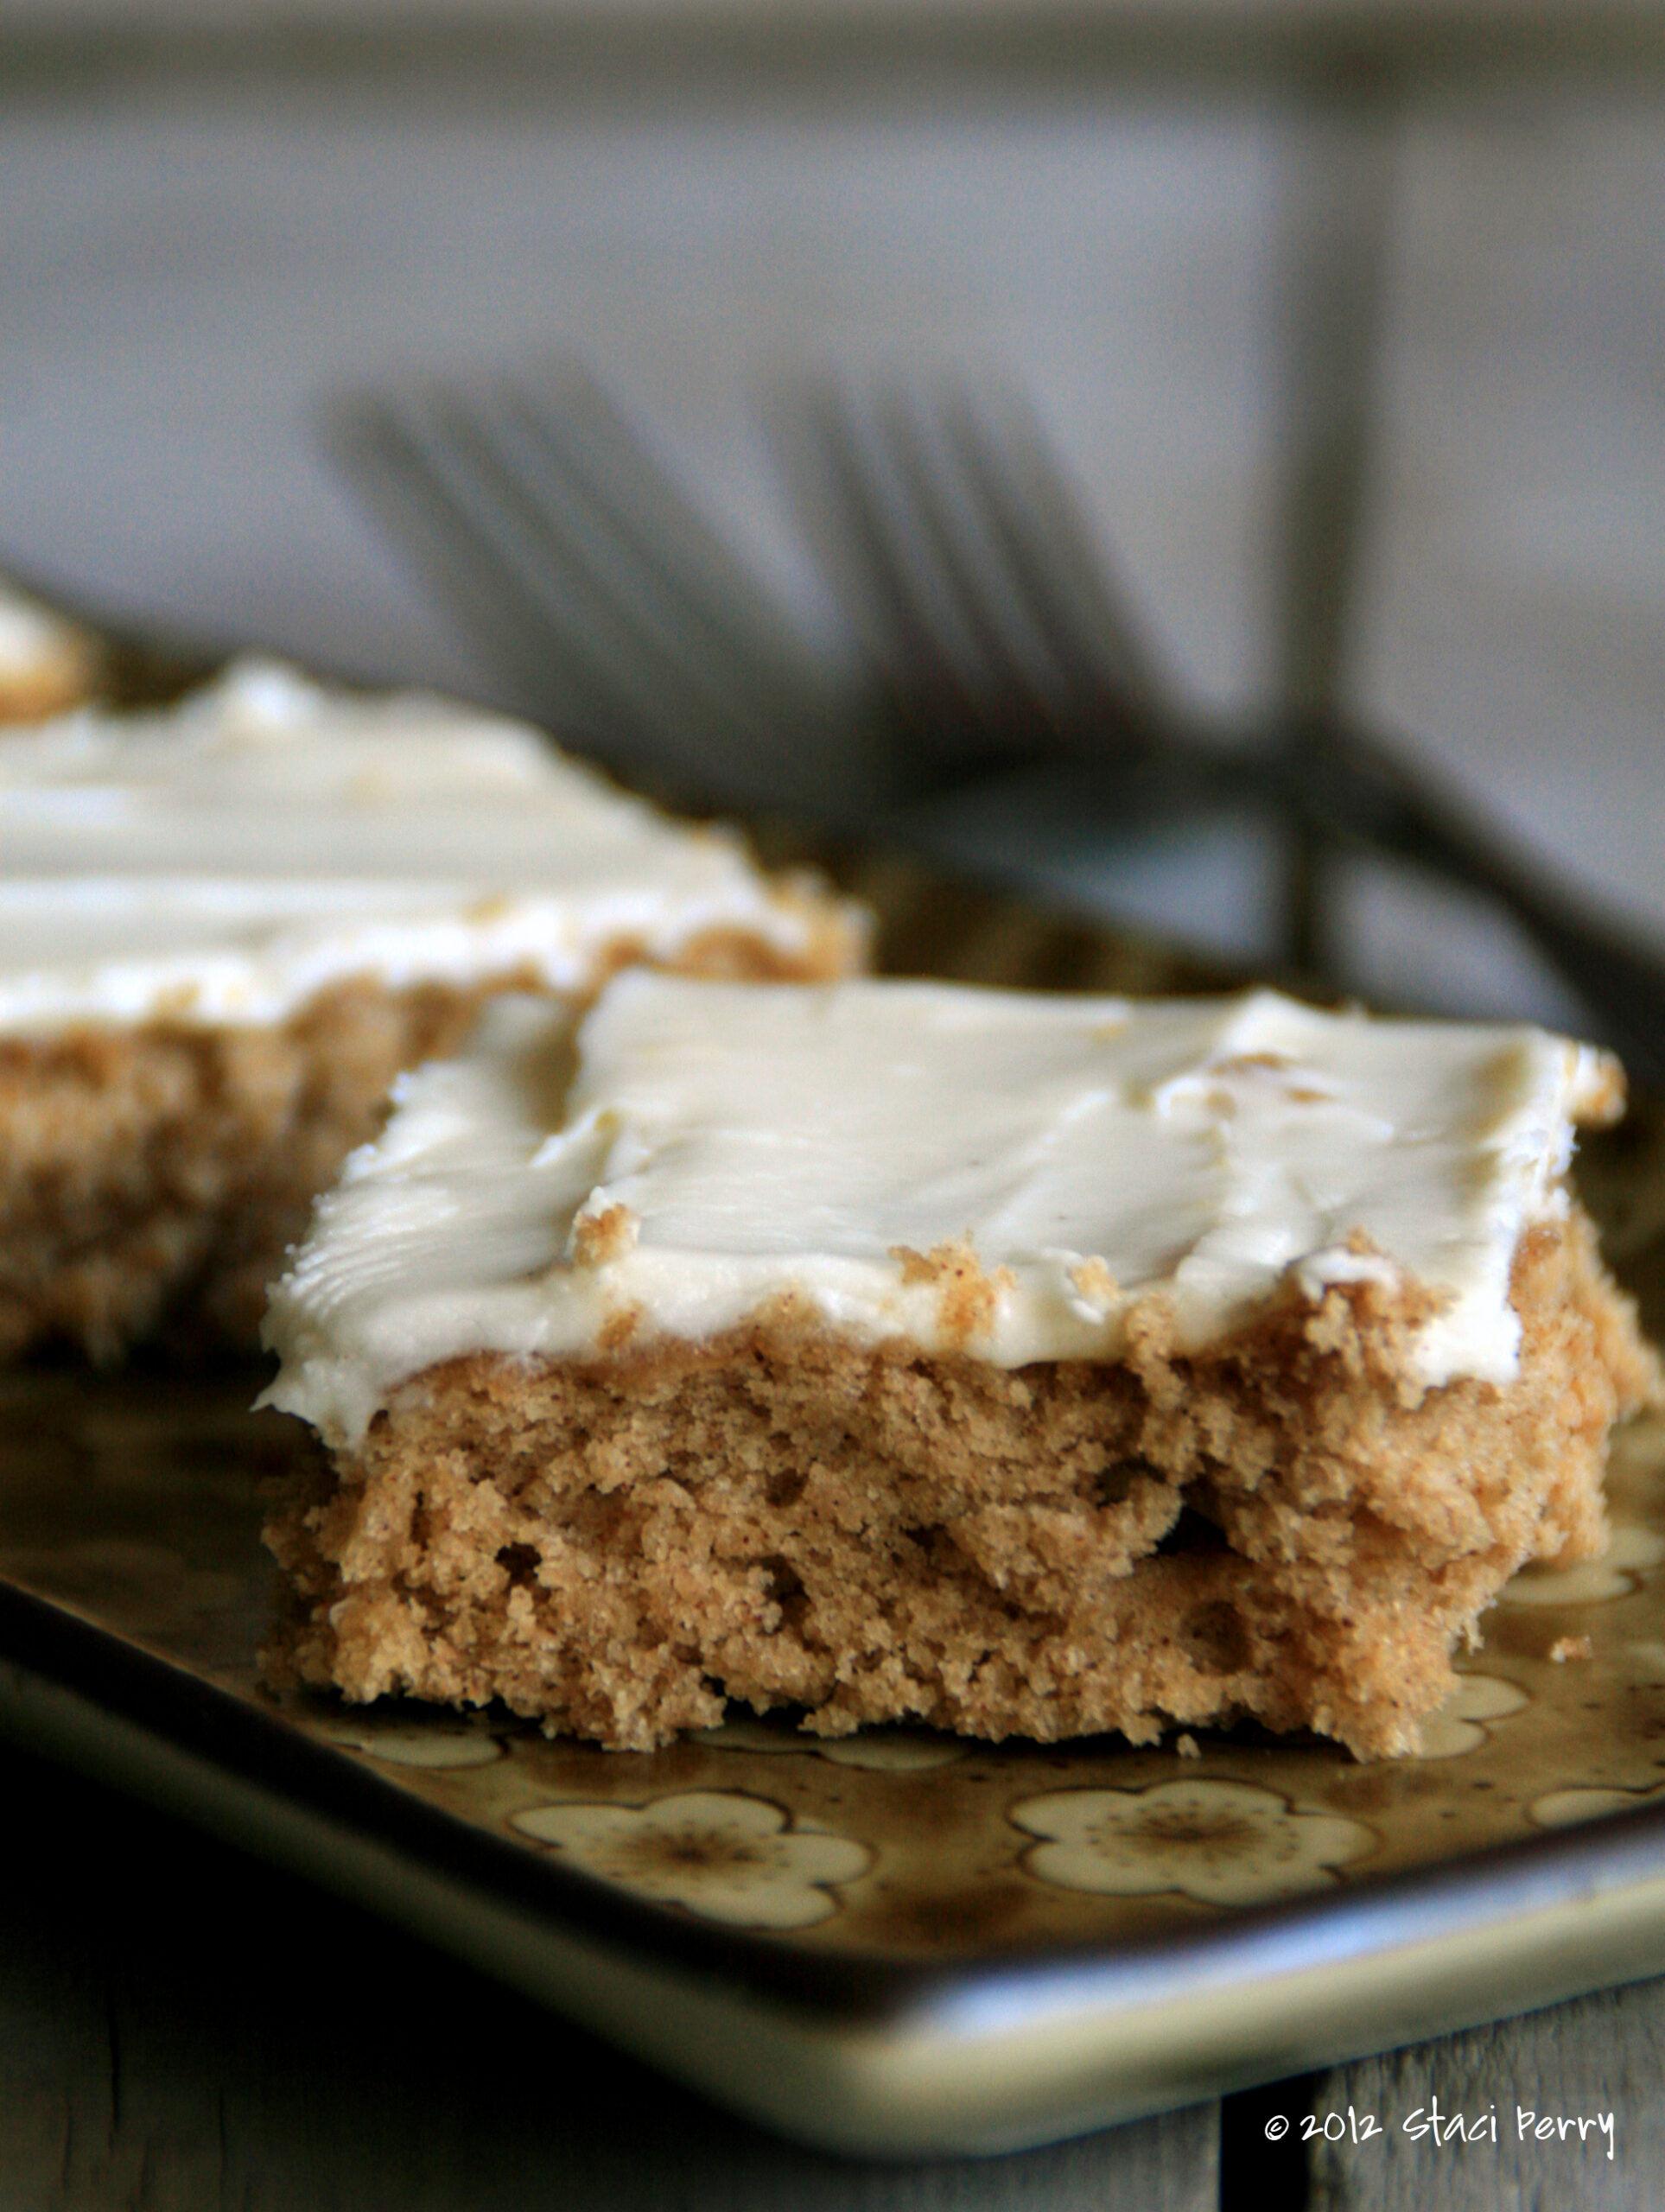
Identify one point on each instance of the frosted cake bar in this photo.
(224, 928)
(898, 1351)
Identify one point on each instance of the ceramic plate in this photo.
(900, 1941)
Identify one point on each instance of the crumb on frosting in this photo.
(599, 1238)
(619, 1327)
(1094, 1283)
(967, 1297)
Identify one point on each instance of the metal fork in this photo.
(964, 561)
(964, 566)
(993, 628)
(621, 617)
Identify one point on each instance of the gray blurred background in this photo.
(215, 217)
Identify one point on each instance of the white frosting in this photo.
(220, 861)
(762, 1140)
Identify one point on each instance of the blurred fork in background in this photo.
(990, 636)
(620, 617)
(969, 576)
(991, 622)
(965, 564)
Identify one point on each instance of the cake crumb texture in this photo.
(149, 1178)
(1279, 1526)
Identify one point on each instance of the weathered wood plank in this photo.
(182, 2028)
(1598, 2057)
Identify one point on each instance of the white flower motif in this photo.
(719, 1852)
(892, 1751)
(1221, 1843)
(886, 1751)
(437, 1747)
(1631, 1553)
(1565, 1808)
(1455, 1728)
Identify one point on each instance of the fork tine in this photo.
(445, 499)
(392, 466)
(577, 423)
(580, 568)
(695, 610)
(594, 610)
(1061, 573)
(971, 575)
(1008, 662)
(568, 549)
(863, 517)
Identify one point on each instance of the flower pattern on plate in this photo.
(1591, 1581)
(1456, 1727)
(1220, 1842)
(1566, 1808)
(882, 1750)
(439, 1747)
(718, 1853)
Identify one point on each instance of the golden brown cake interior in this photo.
(1284, 1526)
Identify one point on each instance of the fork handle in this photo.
(1355, 789)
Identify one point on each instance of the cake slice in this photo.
(891, 1350)
(224, 928)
